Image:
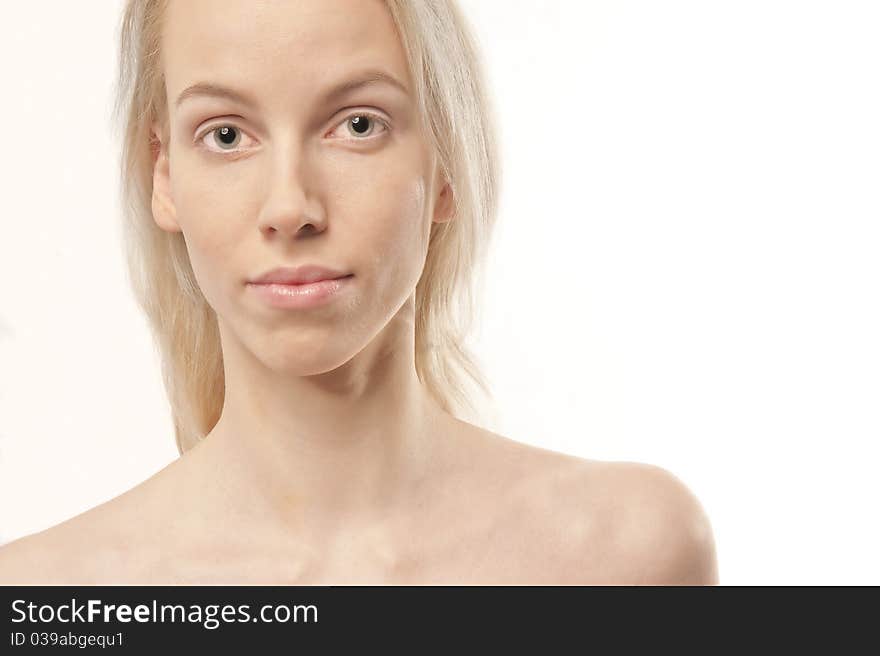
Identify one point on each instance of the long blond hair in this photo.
(445, 66)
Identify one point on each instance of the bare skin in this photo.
(330, 462)
(494, 511)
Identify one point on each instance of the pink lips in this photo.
(300, 274)
(300, 288)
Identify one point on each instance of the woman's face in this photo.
(301, 175)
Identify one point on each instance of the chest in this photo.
(475, 546)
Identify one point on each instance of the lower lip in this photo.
(300, 296)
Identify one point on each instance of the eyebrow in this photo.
(367, 78)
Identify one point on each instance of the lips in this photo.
(302, 296)
(299, 275)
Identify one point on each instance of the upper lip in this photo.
(298, 275)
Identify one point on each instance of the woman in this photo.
(269, 146)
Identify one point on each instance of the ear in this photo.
(164, 213)
(444, 205)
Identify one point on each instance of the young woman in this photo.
(310, 188)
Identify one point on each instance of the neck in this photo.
(331, 451)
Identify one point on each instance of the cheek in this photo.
(207, 218)
(397, 233)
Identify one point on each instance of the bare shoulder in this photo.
(53, 556)
(92, 547)
(24, 561)
(607, 522)
(663, 535)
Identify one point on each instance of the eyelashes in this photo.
(221, 135)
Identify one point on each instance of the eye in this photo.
(364, 123)
(225, 137)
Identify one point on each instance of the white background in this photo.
(685, 271)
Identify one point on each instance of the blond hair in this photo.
(454, 107)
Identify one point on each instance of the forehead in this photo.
(283, 48)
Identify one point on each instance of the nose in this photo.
(290, 207)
